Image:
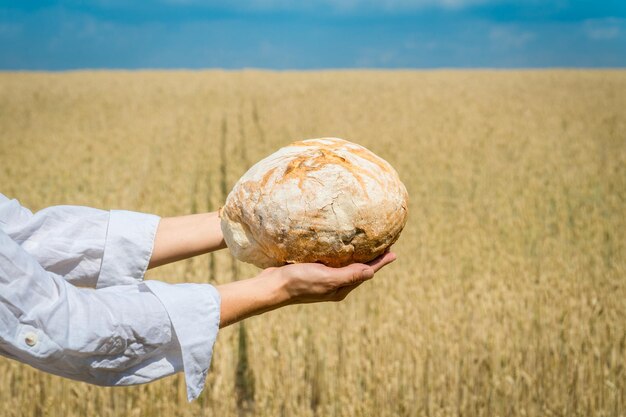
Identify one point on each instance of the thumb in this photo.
(354, 274)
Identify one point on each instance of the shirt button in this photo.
(30, 339)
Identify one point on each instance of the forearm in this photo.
(186, 236)
(243, 299)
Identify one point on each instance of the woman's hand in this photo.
(293, 284)
(311, 283)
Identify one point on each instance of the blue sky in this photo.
(307, 34)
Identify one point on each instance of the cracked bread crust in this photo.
(321, 200)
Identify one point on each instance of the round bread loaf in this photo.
(318, 200)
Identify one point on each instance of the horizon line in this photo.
(329, 69)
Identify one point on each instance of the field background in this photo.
(509, 294)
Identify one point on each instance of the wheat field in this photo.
(509, 294)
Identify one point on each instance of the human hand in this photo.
(293, 284)
(311, 282)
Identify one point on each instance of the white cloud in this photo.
(305, 5)
(510, 37)
(604, 29)
(333, 4)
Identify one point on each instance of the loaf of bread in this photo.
(319, 200)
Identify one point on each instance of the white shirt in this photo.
(73, 301)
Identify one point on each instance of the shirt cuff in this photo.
(128, 247)
(194, 310)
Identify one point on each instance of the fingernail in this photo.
(367, 273)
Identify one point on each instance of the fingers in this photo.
(357, 273)
(312, 282)
(381, 261)
(351, 274)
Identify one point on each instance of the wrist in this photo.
(277, 288)
(211, 234)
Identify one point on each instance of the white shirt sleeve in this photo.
(86, 246)
(118, 335)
